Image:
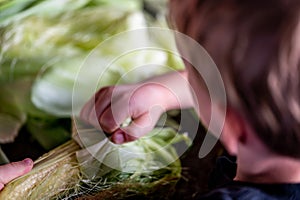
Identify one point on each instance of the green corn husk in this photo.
(45, 43)
(60, 175)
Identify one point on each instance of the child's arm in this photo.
(143, 103)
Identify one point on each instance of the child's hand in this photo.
(142, 103)
(13, 170)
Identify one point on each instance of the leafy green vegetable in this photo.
(44, 46)
(49, 132)
(16, 108)
(12, 115)
(116, 60)
(36, 38)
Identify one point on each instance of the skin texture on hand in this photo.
(143, 103)
(13, 170)
(113, 105)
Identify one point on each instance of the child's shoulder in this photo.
(252, 191)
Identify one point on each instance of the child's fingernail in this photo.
(27, 161)
(118, 137)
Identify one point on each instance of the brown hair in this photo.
(256, 46)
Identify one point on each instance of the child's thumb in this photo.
(13, 170)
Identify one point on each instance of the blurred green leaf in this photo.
(49, 132)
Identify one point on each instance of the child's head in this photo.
(256, 46)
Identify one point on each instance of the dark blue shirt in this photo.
(250, 191)
(223, 188)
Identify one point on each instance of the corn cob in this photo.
(58, 175)
(52, 173)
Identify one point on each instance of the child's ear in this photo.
(234, 132)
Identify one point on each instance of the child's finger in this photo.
(13, 170)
